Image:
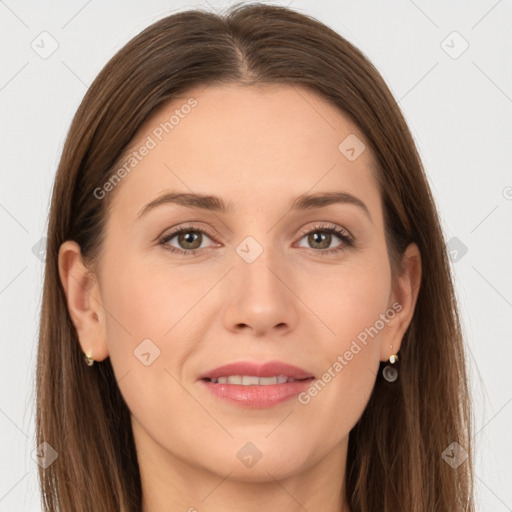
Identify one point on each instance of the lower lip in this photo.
(258, 397)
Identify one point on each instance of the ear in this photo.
(403, 299)
(83, 300)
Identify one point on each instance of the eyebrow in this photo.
(216, 204)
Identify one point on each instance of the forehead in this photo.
(248, 143)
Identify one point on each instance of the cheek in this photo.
(132, 318)
(349, 298)
(147, 313)
(147, 301)
(351, 304)
(152, 326)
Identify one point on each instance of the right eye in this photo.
(188, 237)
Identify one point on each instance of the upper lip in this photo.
(267, 369)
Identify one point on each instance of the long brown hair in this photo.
(395, 456)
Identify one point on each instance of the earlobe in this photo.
(83, 300)
(403, 299)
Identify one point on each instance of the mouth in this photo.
(256, 386)
(252, 380)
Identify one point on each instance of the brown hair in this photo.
(394, 460)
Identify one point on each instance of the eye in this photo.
(320, 238)
(188, 238)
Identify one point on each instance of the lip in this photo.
(267, 369)
(257, 396)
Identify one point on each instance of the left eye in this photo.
(324, 237)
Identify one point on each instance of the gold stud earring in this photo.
(88, 359)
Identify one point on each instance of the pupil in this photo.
(319, 237)
(189, 237)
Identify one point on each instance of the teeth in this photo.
(235, 379)
(249, 380)
(266, 380)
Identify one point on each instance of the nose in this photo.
(261, 299)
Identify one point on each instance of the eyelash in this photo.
(348, 240)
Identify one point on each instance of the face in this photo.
(186, 289)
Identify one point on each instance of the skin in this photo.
(258, 148)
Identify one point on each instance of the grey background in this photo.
(459, 108)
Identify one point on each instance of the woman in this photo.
(243, 243)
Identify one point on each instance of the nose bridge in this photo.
(259, 297)
(257, 265)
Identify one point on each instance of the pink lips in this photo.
(268, 369)
(257, 396)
